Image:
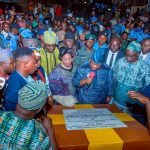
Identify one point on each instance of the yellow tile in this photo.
(83, 106)
(124, 117)
(57, 119)
(103, 139)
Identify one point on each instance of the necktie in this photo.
(111, 60)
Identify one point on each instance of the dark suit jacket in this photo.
(119, 55)
(15, 83)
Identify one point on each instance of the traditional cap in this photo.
(26, 33)
(90, 37)
(50, 37)
(33, 95)
(70, 35)
(97, 58)
(30, 43)
(134, 46)
(5, 54)
(63, 51)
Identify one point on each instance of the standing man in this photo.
(49, 53)
(114, 52)
(145, 53)
(85, 53)
(6, 68)
(131, 74)
(26, 64)
(94, 82)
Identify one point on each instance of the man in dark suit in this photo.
(145, 53)
(114, 52)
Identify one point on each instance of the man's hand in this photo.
(49, 103)
(138, 96)
(86, 81)
(108, 98)
(47, 122)
(50, 100)
(12, 12)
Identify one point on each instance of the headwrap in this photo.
(134, 46)
(50, 37)
(30, 43)
(63, 51)
(26, 33)
(97, 58)
(5, 54)
(33, 95)
(90, 37)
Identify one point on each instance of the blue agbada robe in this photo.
(100, 88)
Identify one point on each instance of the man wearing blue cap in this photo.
(93, 81)
(130, 74)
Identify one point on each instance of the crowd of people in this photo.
(103, 59)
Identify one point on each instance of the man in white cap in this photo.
(49, 53)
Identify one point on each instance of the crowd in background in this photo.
(51, 57)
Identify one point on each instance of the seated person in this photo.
(19, 129)
(93, 81)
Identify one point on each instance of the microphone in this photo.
(91, 75)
